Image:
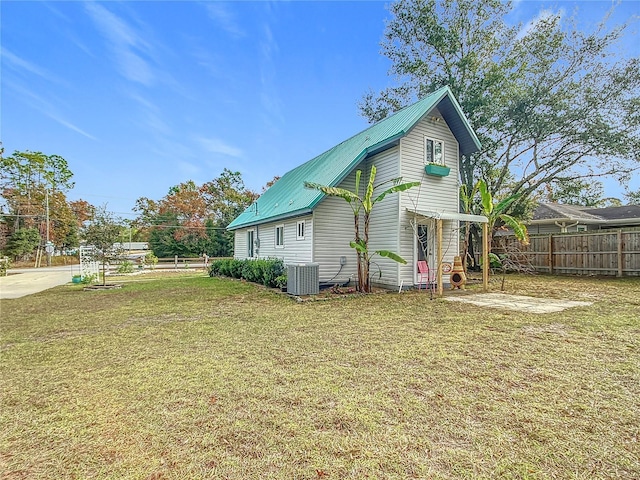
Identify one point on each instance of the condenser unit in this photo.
(303, 279)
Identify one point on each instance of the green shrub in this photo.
(151, 260)
(264, 271)
(89, 279)
(214, 268)
(281, 281)
(235, 268)
(125, 267)
(252, 270)
(273, 269)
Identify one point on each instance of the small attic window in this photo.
(433, 151)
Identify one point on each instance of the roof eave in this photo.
(283, 216)
(465, 121)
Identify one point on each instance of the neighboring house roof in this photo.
(549, 212)
(554, 212)
(288, 197)
(625, 212)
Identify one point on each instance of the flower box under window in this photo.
(437, 170)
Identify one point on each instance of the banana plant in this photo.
(495, 212)
(364, 204)
(466, 198)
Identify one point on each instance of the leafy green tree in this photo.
(191, 220)
(579, 192)
(365, 204)
(30, 180)
(632, 198)
(547, 102)
(226, 197)
(27, 170)
(103, 233)
(22, 242)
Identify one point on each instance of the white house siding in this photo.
(383, 226)
(435, 193)
(333, 230)
(294, 250)
(240, 243)
(333, 220)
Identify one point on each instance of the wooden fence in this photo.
(611, 252)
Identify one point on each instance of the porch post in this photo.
(439, 255)
(485, 256)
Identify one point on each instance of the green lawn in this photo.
(187, 377)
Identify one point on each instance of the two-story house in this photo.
(422, 142)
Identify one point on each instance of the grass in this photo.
(187, 377)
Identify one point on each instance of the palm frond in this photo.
(519, 228)
(502, 206)
(396, 188)
(334, 191)
(393, 256)
(485, 197)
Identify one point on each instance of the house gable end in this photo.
(288, 197)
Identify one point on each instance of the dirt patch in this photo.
(519, 303)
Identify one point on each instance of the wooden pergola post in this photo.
(485, 256)
(439, 255)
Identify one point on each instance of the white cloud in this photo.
(127, 45)
(269, 98)
(45, 107)
(20, 64)
(69, 125)
(217, 146)
(224, 18)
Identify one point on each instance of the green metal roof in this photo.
(289, 198)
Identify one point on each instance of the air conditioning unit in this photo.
(303, 279)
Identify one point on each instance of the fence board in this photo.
(611, 252)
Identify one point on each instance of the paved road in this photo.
(25, 281)
(21, 282)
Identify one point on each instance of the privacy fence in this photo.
(611, 252)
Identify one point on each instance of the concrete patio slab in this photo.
(518, 303)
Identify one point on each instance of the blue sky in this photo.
(140, 96)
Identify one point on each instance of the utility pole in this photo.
(46, 196)
(49, 246)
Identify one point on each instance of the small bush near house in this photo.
(264, 271)
(151, 260)
(235, 268)
(274, 269)
(125, 267)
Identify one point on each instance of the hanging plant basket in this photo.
(436, 170)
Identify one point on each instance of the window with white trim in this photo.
(280, 236)
(250, 243)
(433, 151)
(581, 228)
(300, 230)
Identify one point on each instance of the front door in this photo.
(421, 249)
